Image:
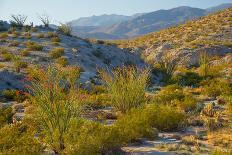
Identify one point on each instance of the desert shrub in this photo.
(19, 64)
(55, 39)
(92, 138)
(18, 20)
(14, 43)
(204, 61)
(51, 34)
(216, 87)
(126, 87)
(57, 102)
(26, 28)
(40, 35)
(25, 52)
(56, 43)
(168, 66)
(15, 95)
(168, 94)
(135, 124)
(3, 35)
(189, 79)
(65, 29)
(26, 35)
(45, 19)
(17, 138)
(3, 50)
(56, 52)
(7, 57)
(5, 116)
(9, 94)
(33, 46)
(33, 29)
(11, 30)
(62, 61)
(164, 117)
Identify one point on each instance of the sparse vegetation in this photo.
(65, 29)
(56, 52)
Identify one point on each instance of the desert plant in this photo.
(40, 35)
(33, 46)
(168, 67)
(51, 34)
(55, 39)
(65, 29)
(126, 87)
(45, 19)
(56, 52)
(7, 56)
(55, 95)
(204, 60)
(19, 64)
(3, 35)
(18, 20)
(62, 61)
(189, 79)
(24, 52)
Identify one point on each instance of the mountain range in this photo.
(124, 27)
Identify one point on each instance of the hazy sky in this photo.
(66, 10)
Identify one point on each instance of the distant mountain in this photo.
(139, 24)
(219, 7)
(103, 20)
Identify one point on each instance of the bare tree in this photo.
(45, 19)
(18, 20)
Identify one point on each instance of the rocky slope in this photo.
(78, 52)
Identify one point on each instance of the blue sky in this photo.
(66, 10)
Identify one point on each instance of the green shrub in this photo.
(65, 29)
(14, 43)
(126, 87)
(168, 94)
(216, 87)
(164, 117)
(17, 138)
(55, 39)
(4, 50)
(62, 61)
(5, 116)
(7, 57)
(189, 79)
(24, 52)
(20, 64)
(33, 46)
(56, 52)
(51, 34)
(92, 138)
(3, 35)
(9, 94)
(40, 35)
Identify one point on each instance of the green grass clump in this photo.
(25, 52)
(40, 35)
(55, 39)
(62, 61)
(126, 87)
(3, 35)
(65, 29)
(33, 46)
(51, 35)
(14, 43)
(3, 50)
(7, 57)
(56, 52)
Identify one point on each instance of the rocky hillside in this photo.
(22, 49)
(212, 34)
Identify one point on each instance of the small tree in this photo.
(55, 94)
(204, 61)
(126, 87)
(18, 20)
(45, 19)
